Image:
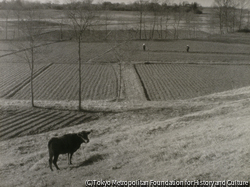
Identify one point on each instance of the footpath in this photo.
(133, 88)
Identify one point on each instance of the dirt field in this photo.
(201, 138)
(155, 81)
(62, 57)
(183, 81)
(231, 48)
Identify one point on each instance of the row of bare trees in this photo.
(156, 17)
(161, 18)
(82, 17)
(30, 38)
(232, 14)
(161, 21)
(31, 28)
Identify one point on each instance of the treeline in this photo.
(232, 15)
(151, 6)
(153, 20)
(136, 6)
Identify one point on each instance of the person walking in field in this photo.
(187, 48)
(144, 47)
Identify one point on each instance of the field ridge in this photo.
(142, 83)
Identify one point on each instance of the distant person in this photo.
(187, 48)
(144, 47)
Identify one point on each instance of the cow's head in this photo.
(84, 136)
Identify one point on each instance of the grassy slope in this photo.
(206, 138)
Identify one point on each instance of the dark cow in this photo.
(68, 143)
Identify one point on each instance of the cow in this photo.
(68, 143)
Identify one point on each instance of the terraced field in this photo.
(58, 82)
(33, 121)
(99, 81)
(182, 81)
(14, 76)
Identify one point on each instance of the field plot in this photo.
(175, 51)
(162, 51)
(59, 52)
(182, 81)
(60, 82)
(4, 48)
(15, 75)
(26, 122)
(67, 52)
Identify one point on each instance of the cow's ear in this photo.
(88, 132)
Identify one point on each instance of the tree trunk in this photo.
(145, 29)
(221, 21)
(153, 28)
(18, 24)
(248, 19)
(240, 20)
(140, 24)
(61, 31)
(80, 73)
(31, 77)
(226, 17)
(6, 27)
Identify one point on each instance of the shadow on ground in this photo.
(91, 160)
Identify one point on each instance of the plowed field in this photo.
(14, 76)
(58, 82)
(182, 81)
(16, 123)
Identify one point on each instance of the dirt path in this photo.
(133, 87)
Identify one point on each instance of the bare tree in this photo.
(189, 17)
(61, 23)
(81, 16)
(140, 22)
(225, 11)
(219, 14)
(17, 9)
(248, 18)
(107, 16)
(160, 21)
(142, 12)
(242, 5)
(177, 18)
(30, 31)
(6, 13)
(154, 7)
(122, 51)
(166, 12)
(192, 24)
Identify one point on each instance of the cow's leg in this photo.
(50, 162)
(68, 160)
(55, 160)
(71, 154)
(51, 154)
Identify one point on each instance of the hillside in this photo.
(206, 138)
